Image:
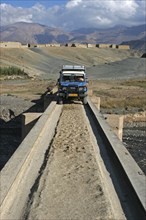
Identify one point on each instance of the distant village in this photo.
(19, 45)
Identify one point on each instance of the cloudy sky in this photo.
(74, 14)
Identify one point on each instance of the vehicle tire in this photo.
(85, 100)
(59, 101)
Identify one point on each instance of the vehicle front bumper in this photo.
(72, 95)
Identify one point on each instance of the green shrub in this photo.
(10, 71)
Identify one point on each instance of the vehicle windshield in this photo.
(72, 78)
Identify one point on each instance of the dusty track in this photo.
(71, 186)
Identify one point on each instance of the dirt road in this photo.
(70, 186)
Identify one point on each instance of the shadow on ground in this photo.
(11, 131)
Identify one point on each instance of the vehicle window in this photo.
(73, 78)
(66, 78)
(79, 78)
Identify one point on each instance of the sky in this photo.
(74, 14)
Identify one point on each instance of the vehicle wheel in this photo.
(85, 100)
(59, 101)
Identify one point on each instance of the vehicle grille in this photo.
(73, 89)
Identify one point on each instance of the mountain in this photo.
(137, 44)
(36, 33)
(32, 33)
(115, 35)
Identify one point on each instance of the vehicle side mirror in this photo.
(58, 81)
(87, 80)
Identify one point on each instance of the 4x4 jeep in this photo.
(72, 83)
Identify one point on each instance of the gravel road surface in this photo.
(70, 186)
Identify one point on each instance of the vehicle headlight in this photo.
(64, 88)
(83, 89)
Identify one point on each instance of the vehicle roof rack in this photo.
(73, 67)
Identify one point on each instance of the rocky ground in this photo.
(134, 138)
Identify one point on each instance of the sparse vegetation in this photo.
(126, 95)
(138, 83)
(12, 71)
(125, 104)
(29, 89)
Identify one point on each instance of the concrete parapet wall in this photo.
(116, 123)
(41, 45)
(113, 46)
(47, 45)
(91, 45)
(78, 45)
(103, 45)
(96, 101)
(19, 174)
(28, 121)
(24, 46)
(123, 47)
(129, 169)
(10, 44)
(68, 45)
(52, 45)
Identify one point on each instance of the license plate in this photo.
(73, 95)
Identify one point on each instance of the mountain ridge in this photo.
(35, 33)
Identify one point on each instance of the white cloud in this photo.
(79, 13)
(10, 14)
(72, 4)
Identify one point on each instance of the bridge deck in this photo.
(72, 166)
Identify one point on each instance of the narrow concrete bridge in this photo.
(71, 165)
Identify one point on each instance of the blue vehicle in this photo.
(72, 84)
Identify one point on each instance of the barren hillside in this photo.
(46, 62)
